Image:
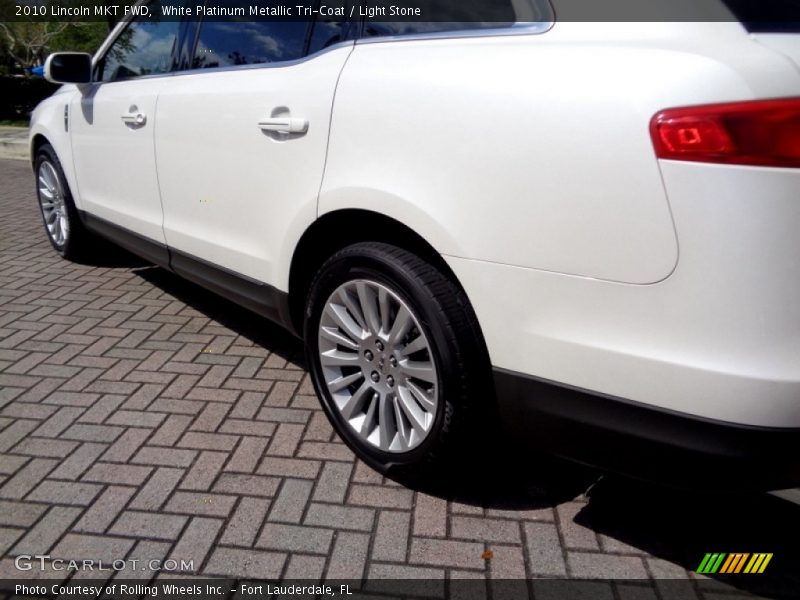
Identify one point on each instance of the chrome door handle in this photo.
(137, 119)
(284, 125)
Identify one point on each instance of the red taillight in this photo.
(763, 133)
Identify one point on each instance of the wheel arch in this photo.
(37, 142)
(338, 229)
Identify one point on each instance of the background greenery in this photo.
(26, 44)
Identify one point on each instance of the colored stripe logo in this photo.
(731, 564)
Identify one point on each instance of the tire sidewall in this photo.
(381, 269)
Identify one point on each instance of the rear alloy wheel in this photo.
(378, 366)
(396, 357)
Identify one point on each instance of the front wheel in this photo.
(61, 221)
(396, 357)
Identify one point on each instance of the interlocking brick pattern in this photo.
(141, 417)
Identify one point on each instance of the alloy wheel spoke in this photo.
(418, 370)
(354, 310)
(421, 396)
(369, 418)
(47, 177)
(338, 336)
(383, 309)
(385, 427)
(344, 381)
(419, 343)
(355, 401)
(402, 323)
(403, 434)
(345, 321)
(411, 410)
(55, 182)
(337, 358)
(369, 307)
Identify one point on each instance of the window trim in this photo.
(351, 35)
(535, 28)
(270, 65)
(191, 35)
(519, 29)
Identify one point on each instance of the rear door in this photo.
(241, 142)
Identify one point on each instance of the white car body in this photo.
(523, 157)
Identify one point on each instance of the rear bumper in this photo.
(643, 441)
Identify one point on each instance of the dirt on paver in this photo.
(142, 417)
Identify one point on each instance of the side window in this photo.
(456, 15)
(325, 33)
(233, 42)
(243, 41)
(143, 48)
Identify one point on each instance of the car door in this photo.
(112, 125)
(241, 143)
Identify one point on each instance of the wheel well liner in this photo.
(38, 141)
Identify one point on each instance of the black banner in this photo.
(77, 587)
(433, 11)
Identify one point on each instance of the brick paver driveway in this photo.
(141, 417)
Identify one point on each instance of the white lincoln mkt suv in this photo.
(588, 230)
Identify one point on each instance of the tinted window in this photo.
(242, 41)
(227, 43)
(461, 15)
(143, 48)
(767, 15)
(326, 33)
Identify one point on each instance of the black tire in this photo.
(459, 352)
(78, 240)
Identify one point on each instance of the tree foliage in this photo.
(26, 43)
